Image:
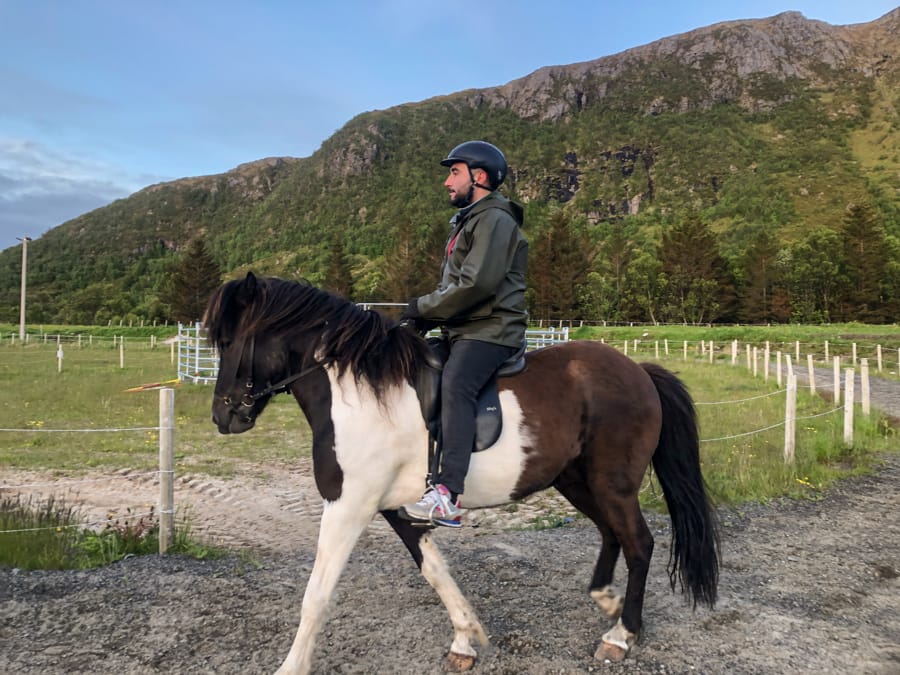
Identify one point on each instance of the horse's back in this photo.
(593, 369)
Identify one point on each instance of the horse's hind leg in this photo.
(613, 502)
(466, 625)
(601, 589)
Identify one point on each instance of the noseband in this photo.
(249, 398)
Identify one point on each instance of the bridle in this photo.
(249, 398)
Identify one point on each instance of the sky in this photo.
(100, 98)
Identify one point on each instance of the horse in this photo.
(582, 418)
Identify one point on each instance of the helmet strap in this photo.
(476, 184)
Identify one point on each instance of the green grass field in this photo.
(83, 418)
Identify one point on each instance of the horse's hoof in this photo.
(459, 663)
(610, 652)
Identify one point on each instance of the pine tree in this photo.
(559, 262)
(866, 249)
(701, 289)
(190, 282)
(338, 278)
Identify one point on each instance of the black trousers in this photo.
(471, 364)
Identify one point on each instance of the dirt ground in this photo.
(806, 586)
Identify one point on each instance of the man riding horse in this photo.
(480, 306)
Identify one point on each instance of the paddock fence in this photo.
(764, 362)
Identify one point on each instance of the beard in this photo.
(460, 200)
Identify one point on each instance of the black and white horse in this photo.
(581, 418)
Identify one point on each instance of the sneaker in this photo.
(435, 507)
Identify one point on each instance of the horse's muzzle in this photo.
(231, 421)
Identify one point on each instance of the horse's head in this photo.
(250, 360)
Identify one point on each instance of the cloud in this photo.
(40, 188)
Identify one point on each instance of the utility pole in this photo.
(24, 241)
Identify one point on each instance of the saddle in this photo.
(489, 417)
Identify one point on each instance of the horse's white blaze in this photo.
(465, 623)
(494, 473)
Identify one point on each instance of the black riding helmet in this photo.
(480, 155)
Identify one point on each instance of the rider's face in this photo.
(459, 184)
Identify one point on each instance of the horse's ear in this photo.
(247, 288)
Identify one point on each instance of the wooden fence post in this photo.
(778, 369)
(712, 352)
(766, 356)
(878, 356)
(826, 351)
(854, 355)
(837, 380)
(666, 342)
(797, 350)
(657, 350)
(166, 469)
(848, 406)
(790, 419)
(755, 361)
(864, 385)
(685, 350)
(812, 373)
(734, 351)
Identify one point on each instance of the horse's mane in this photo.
(360, 341)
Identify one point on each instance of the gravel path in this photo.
(806, 587)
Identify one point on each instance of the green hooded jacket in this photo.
(481, 295)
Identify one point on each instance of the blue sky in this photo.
(100, 98)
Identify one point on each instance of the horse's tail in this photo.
(694, 554)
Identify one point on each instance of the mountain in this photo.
(771, 126)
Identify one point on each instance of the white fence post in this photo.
(878, 356)
(837, 380)
(790, 419)
(848, 406)
(766, 356)
(864, 385)
(812, 373)
(734, 351)
(778, 369)
(166, 469)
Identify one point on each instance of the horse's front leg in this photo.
(466, 625)
(342, 523)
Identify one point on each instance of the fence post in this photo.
(755, 361)
(848, 406)
(797, 350)
(878, 356)
(685, 350)
(837, 380)
(712, 352)
(864, 385)
(666, 343)
(826, 351)
(790, 419)
(166, 469)
(122, 352)
(812, 373)
(778, 369)
(657, 350)
(854, 355)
